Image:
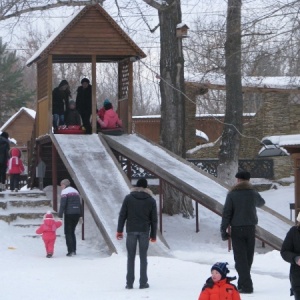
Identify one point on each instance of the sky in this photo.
(94, 274)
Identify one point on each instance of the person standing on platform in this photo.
(84, 104)
(4, 156)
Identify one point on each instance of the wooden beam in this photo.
(94, 99)
(49, 88)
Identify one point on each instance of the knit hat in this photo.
(244, 175)
(84, 80)
(63, 82)
(298, 217)
(106, 101)
(5, 134)
(221, 268)
(65, 182)
(72, 102)
(142, 182)
(48, 215)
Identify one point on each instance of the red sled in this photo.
(71, 129)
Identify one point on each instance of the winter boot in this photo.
(1, 187)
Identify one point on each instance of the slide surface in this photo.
(199, 185)
(101, 182)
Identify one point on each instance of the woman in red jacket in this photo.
(48, 232)
(15, 168)
(218, 286)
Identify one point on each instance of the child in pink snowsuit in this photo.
(48, 231)
(15, 168)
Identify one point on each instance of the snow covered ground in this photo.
(27, 274)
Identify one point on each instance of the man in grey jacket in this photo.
(70, 207)
(239, 212)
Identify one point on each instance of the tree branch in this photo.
(18, 12)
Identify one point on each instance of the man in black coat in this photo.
(140, 214)
(239, 212)
(84, 104)
(4, 156)
(290, 252)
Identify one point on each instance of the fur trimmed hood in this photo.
(243, 185)
(141, 189)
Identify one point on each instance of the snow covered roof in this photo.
(29, 111)
(52, 38)
(284, 140)
(276, 82)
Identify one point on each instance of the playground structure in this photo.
(88, 159)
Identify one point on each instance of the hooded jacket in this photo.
(290, 250)
(48, 228)
(240, 206)
(139, 212)
(70, 202)
(110, 120)
(221, 290)
(15, 164)
(84, 100)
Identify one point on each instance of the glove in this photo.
(225, 236)
(119, 235)
(80, 220)
(152, 240)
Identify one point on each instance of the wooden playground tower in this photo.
(91, 36)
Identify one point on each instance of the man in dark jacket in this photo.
(239, 212)
(4, 156)
(84, 103)
(290, 252)
(140, 214)
(70, 207)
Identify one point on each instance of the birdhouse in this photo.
(182, 31)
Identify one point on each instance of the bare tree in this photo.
(230, 143)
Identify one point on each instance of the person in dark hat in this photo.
(84, 103)
(218, 286)
(239, 212)
(60, 103)
(4, 157)
(140, 214)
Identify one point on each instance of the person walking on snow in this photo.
(48, 232)
(140, 214)
(239, 212)
(218, 286)
(71, 209)
(15, 168)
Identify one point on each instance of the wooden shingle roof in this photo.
(92, 31)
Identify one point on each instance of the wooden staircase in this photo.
(24, 209)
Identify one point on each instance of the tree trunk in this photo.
(172, 130)
(230, 143)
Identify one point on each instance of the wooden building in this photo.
(91, 36)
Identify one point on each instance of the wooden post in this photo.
(296, 157)
(197, 217)
(49, 87)
(160, 205)
(94, 99)
(130, 96)
(54, 176)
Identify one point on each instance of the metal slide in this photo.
(199, 185)
(101, 182)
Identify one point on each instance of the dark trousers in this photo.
(85, 117)
(243, 244)
(131, 243)
(14, 180)
(71, 222)
(297, 295)
(3, 168)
